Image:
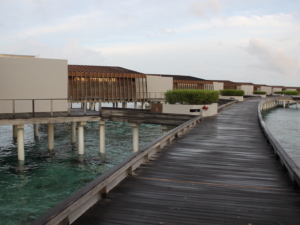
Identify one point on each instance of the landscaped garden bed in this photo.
(191, 102)
(232, 94)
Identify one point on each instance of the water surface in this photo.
(284, 124)
(47, 178)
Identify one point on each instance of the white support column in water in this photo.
(15, 131)
(283, 104)
(102, 136)
(144, 105)
(92, 106)
(81, 137)
(135, 105)
(20, 141)
(73, 132)
(50, 136)
(36, 130)
(135, 135)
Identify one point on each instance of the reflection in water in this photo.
(47, 177)
(284, 124)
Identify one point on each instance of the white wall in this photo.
(240, 98)
(276, 89)
(218, 86)
(266, 89)
(156, 85)
(248, 89)
(33, 78)
(185, 109)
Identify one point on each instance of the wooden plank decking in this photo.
(221, 172)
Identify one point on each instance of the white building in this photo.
(32, 78)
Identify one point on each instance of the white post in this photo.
(102, 136)
(135, 105)
(135, 134)
(283, 104)
(50, 136)
(36, 130)
(73, 132)
(15, 131)
(81, 137)
(92, 106)
(20, 139)
(144, 105)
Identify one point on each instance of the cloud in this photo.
(71, 50)
(273, 59)
(284, 39)
(202, 8)
(214, 6)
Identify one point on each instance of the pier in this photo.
(80, 116)
(223, 170)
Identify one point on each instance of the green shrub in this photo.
(278, 92)
(259, 92)
(291, 92)
(232, 92)
(191, 96)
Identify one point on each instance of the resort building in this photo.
(111, 84)
(24, 79)
(32, 84)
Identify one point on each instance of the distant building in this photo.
(112, 84)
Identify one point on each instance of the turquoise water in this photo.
(284, 124)
(47, 178)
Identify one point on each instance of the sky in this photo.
(238, 40)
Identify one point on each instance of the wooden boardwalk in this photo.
(107, 114)
(221, 172)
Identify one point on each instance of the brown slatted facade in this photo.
(258, 86)
(188, 82)
(192, 84)
(109, 83)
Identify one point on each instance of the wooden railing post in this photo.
(100, 107)
(84, 107)
(69, 107)
(32, 107)
(14, 109)
(51, 107)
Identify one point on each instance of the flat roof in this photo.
(17, 56)
(178, 77)
(100, 69)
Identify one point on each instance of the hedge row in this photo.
(191, 96)
(232, 92)
(287, 92)
(259, 92)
